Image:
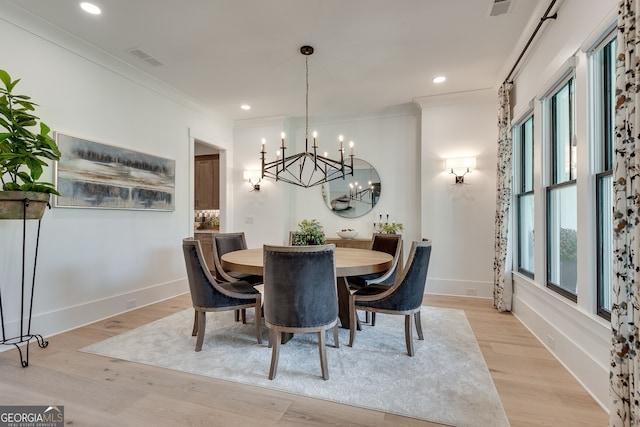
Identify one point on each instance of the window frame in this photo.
(520, 182)
(602, 63)
(568, 79)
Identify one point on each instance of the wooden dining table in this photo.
(349, 262)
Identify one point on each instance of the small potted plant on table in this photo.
(310, 233)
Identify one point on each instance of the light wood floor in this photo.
(97, 391)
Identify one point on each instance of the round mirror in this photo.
(355, 195)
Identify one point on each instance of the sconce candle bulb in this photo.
(253, 178)
(460, 166)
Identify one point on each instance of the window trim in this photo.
(606, 314)
(603, 155)
(519, 182)
(554, 286)
(566, 75)
(521, 269)
(570, 82)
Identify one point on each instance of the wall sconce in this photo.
(253, 178)
(459, 165)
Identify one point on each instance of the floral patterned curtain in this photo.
(502, 284)
(625, 304)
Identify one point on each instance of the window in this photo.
(523, 142)
(603, 63)
(561, 206)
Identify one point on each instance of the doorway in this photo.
(206, 187)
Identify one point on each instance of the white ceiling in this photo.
(368, 53)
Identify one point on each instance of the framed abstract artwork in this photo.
(94, 175)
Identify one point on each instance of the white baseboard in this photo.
(577, 341)
(56, 322)
(459, 288)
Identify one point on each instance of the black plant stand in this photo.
(25, 336)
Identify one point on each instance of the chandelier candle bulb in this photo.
(315, 135)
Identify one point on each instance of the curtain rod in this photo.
(544, 18)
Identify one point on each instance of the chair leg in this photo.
(354, 320)
(258, 319)
(323, 355)
(408, 330)
(202, 323)
(336, 341)
(243, 313)
(195, 323)
(418, 325)
(373, 318)
(236, 315)
(366, 317)
(275, 352)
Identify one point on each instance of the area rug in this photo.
(447, 381)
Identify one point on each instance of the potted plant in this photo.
(391, 227)
(211, 223)
(309, 233)
(25, 147)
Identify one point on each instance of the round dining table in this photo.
(349, 262)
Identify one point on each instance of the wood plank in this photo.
(534, 387)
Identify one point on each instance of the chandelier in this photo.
(367, 195)
(308, 168)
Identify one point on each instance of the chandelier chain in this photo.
(306, 110)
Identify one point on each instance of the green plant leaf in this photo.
(6, 79)
(23, 153)
(11, 186)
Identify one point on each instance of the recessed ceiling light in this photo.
(90, 8)
(245, 107)
(439, 79)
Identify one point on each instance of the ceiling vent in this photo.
(500, 7)
(144, 56)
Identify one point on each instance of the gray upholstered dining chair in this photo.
(404, 297)
(229, 242)
(300, 295)
(208, 294)
(383, 242)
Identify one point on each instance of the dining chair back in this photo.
(404, 297)
(382, 242)
(223, 243)
(208, 294)
(300, 295)
(390, 244)
(229, 242)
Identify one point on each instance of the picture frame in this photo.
(94, 175)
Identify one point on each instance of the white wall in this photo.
(459, 219)
(571, 331)
(388, 139)
(263, 215)
(94, 263)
